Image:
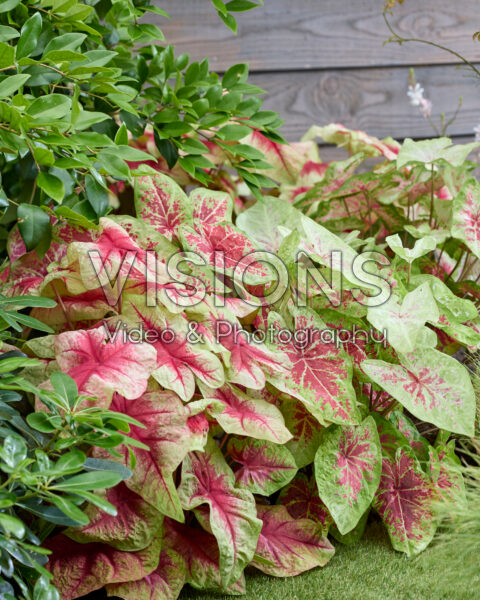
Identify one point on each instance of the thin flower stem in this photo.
(432, 196)
(400, 40)
(60, 301)
(222, 443)
(455, 267)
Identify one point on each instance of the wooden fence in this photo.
(324, 61)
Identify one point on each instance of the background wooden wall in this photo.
(324, 61)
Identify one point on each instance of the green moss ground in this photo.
(370, 570)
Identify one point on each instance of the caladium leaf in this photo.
(333, 252)
(89, 305)
(422, 246)
(179, 362)
(354, 141)
(239, 413)
(224, 246)
(404, 323)
(321, 373)
(101, 366)
(444, 468)
(450, 306)
(207, 479)
(169, 435)
(248, 363)
(161, 203)
(305, 429)
(165, 583)
(264, 467)
(211, 207)
(287, 160)
(262, 220)
(390, 437)
(431, 385)
(430, 151)
(79, 569)
(133, 528)
(417, 442)
(347, 471)
(30, 274)
(145, 236)
(199, 550)
(403, 501)
(466, 216)
(109, 260)
(300, 497)
(289, 546)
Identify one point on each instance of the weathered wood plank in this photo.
(373, 100)
(303, 34)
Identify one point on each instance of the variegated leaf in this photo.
(264, 467)
(211, 207)
(403, 323)
(165, 583)
(466, 216)
(347, 471)
(100, 367)
(133, 528)
(288, 546)
(300, 497)
(199, 550)
(431, 385)
(79, 569)
(162, 204)
(306, 431)
(404, 502)
(239, 413)
(207, 479)
(179, 362)
(321, 373)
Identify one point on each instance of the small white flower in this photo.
(415, 93)
(476, 131)
(426, 107)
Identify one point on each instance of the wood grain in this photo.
(313, 34)
(373, 100)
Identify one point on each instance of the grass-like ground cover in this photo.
(369, 570)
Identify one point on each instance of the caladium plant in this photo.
(265, 422)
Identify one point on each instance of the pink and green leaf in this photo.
(211, 207)
(200, 552)
(287, 160)
(165, 583)
(162, 204)
(305, 429)
(207, 479)
(179, 362)
(263, 467)
(404, 502)
(321, 373)
(354, 140)
(347, 471)
(431, 385)
(287, 546)
(466, 216)
(100, 367)
(169, 434)
(133, 528)
(79, 569)
(300, 497)
(239, 413)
